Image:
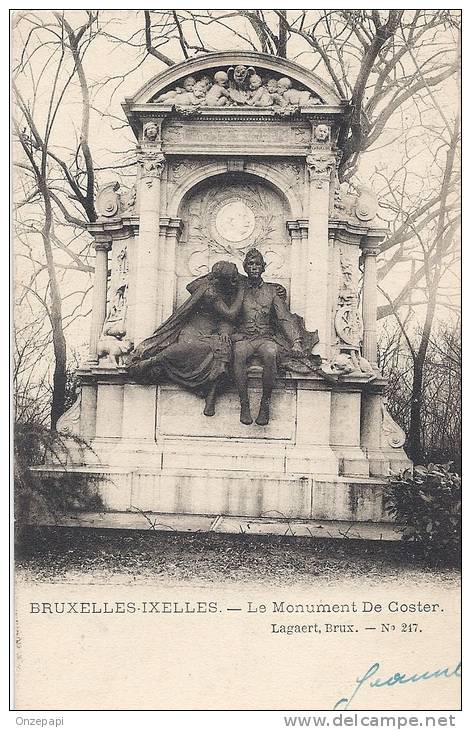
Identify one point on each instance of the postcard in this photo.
(237, 363)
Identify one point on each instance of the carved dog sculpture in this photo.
(114, 349)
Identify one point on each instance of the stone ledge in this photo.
(91, 373)
(159, 522)
(251, 494)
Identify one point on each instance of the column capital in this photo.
(152, 163)
(320, 166)
(370, 251)
(171, 226)
(297, 229)
(102, 243)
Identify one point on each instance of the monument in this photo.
(232, 370)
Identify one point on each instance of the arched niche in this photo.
(284, 176)
(223, 216)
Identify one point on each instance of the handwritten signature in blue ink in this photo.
(395, 679)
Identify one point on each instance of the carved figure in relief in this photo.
(115, 323)
(347, 320)
(151, 131)
(295, 97)
(272, 88)
(321, 133)
(123, 265)
(193, 348)
(205, 83)
(259, 95)
(218, 94)
(113, 349)
(175, 95)
(266, 329)
(238, 86)
(239, 77)
(192, 98)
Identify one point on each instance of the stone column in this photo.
(147, 248)
(369, 305)
(298, 234)
(316, 314)
(170, 232)
(102, 246)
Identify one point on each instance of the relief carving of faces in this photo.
(255, 82)
(151, 131)
(240, 73)
(321, 133)
(220, 78)
(189, 83)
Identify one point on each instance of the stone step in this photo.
(162, 522)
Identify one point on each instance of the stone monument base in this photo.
(149, 451)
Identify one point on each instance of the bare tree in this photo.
(57, 188)
(440, 429)
(392, 66)
(381, 61)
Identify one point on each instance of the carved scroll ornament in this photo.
(392, 434)
(113, 201)
(362, 205)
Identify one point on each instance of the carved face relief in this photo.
(189, 83)
(235, 221)
(255, 82)
(151, 132)
(321, 133)
(221, 78)
(240, 74)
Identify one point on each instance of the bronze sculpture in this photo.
(192, 348)
(268, 330)
(228, 320)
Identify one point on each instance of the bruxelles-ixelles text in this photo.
(190, 607)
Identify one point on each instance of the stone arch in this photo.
(224, 214)
(282, 184)
(209, 61)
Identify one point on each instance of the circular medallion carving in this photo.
(235, 221)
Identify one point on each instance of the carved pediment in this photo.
(239, 85)
(236, 79)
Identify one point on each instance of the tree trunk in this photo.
(60, 370)
(282, 35)
(414, 441)
(55, 315)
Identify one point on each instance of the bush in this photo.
(427, 502)
(38, 496)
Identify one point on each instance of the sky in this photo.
(116, 67)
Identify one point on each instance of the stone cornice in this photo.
(114, 226)
(138, 114)
(357, 229)
(92, 374)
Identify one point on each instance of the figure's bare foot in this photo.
(245, 415)
(264, 412)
